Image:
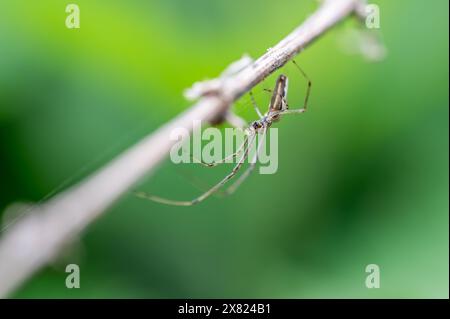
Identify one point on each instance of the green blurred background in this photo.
(362, 178)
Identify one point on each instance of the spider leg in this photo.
(238, 123)
(293, 111)
(252, 98)
(235, 121)
(206, 194)
(230, 190)
(308, 92)
(223, 160)
(197, 182)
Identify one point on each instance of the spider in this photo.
(278, 107)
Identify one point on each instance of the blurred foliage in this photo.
(363, 176)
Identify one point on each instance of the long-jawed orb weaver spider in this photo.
(278, 107)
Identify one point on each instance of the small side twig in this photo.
(38, 237)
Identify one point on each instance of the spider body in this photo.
(277, 108)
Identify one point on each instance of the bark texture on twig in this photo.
(37, 238)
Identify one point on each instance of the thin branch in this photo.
(36, 239)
